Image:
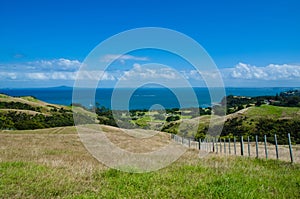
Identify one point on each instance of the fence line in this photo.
(224, 146)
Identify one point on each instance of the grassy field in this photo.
(53, 163)
(273, 112)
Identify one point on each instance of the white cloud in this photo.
(61, 64)
(56, 69)
(8, 76)
(94, 75)
(200, 75)
(37, 76)
(83, 75)
(269, 72)
(67, 70)
(122, 58)
(150, 73)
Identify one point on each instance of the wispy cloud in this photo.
(56, 69)
(122, 58)
(51, 76)
(269, 72)
(59, 70)
(8, 76)
(61, 64)
(139, 72)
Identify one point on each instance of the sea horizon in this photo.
(141, 98)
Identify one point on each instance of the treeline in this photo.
(14, 120)
(231, 104)
(18, 105)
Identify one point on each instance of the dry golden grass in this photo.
(62, 148)
(127, 140)
(56, 147)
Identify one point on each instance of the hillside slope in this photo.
(53, 163)
(30, 113)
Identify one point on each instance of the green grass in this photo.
(213, 178)
(185, 117)
(4, 96)
(143, 121)
(273, 112)
(30, 99)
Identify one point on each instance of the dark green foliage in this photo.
(235, 101)
(18, 105)
(258, 103)
(286, 99)
(173, 118)
(235, 127)
(23, 121)
(105, 116)
(172, 111)
(219, 110)
(281, 128)
(171, 127)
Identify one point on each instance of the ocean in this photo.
(142, 98)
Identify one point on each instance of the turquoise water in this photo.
(142, 98)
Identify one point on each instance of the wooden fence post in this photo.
(256, 145)
(290, 146)
(208, 145)
(217, 148)
(266, 148)
(199, 146)
(225, 145)
(248, 146)
(234, 144)
(220, 141)
(276, 146)
(189, 142)
(229, 146)
(242, 146)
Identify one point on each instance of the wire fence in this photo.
(244, 146)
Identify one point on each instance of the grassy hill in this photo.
(30, 113)
(53, 163)
(273, 112)
(251, 121)
(266, 120)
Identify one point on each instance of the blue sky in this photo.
(253, 43)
